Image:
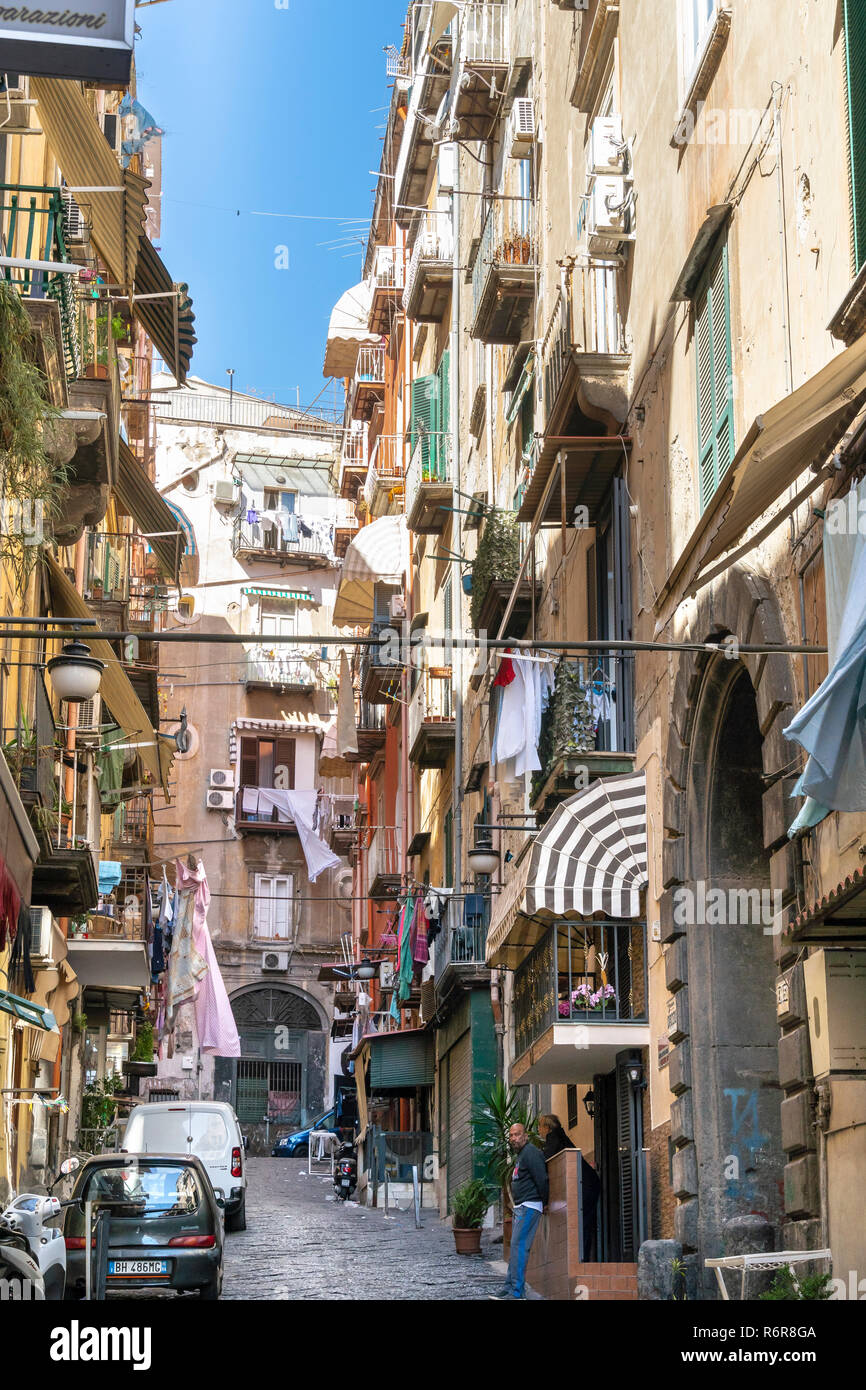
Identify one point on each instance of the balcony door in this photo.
(609, 613)
(618, 1160)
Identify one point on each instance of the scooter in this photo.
(31, 1241)
(345, 1171)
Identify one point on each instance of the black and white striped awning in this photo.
(590, 859)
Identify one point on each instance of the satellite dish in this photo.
(343, 887)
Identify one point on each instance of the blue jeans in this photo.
(524, 1226)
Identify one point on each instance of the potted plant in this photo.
(470, 1203)
(141, 1062)
(492, 1119)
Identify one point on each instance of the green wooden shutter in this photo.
(714, 384)
(425, 417)
(439, 461)
(855, 81)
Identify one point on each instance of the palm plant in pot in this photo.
(470, 1203)
(500, 1108)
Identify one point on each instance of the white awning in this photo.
(443, 13)
(349, 330)
(379, 554)
(590, 858)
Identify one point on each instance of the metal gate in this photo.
(268, 1091)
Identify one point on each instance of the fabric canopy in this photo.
(157, 755)
(139, 499)
(331, 763)
(86, 161)
(590, 857)
(349, 330)
(799, 430)
(169, 320)
(831, 725)
(347, 733)
(443, 13)
(379, 554)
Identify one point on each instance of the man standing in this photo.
(530, 1189)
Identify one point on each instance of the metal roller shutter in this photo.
(459, 1114)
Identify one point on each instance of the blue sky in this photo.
(267, 106)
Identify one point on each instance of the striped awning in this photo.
(301, 595)
(115, 198)
(157, 522)
(379, 554)
(168, 320)
(589, 859)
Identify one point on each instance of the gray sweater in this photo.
(529, 1180)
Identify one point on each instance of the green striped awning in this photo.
(255, 592)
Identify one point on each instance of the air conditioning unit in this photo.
(111, 130)
(275, 960)
(221, 777)
(606, 148)
(220, 801)
(387, 974)
(609, 219)
(75, 228)
(397, 606)
(89, 712)
(521, 130)
(225, 494)
(836, 1007)
(42, 937)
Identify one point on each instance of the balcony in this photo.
(283, 538)
(261, 822)
(353, 463)
(368, 387)
(384, 478)
(339, 829)
(110, 952)
(132, 830)
(429, 281)
(459, 951)
(346, 526)
(504, 273)
(269, 668)
(379, 679)
(32, 227)
(429, 485)
(580, 998)
(584, 354)
(370, 726)
(431, 719)
(588, 727)
(428, 80)
(387, 288)
(383, 864)
(494, 570)
(484, 62)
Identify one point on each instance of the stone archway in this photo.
(725, 819)
(278, 1082)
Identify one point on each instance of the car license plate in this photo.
(120, 1269)
(345, 1183)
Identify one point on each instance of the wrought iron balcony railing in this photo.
(484, 33)
(32, 228)
(586, 320)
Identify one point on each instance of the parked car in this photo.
(166, 1228)
(298, 1143)
(209, 1129)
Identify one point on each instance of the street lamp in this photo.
(483, 858)
(589, 1103)
(75, 673)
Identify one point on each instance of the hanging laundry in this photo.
(290, 527)
(187, 966)
(421, 948)
(347, 734)
(506, 673)
(214, 1020)
(518, 728)
(598, 697)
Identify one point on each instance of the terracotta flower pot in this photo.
(467, 1240)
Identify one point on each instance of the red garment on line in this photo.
(506, 673)
(10, 905)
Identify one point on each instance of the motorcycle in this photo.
(345, 1171)
(32, 1246)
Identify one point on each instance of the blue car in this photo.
(293, 1145)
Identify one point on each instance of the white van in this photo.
(209, 1129)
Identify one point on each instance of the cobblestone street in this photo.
(300, 1245)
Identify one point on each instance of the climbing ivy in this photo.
(498, 557)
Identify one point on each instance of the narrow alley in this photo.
(301, 1243)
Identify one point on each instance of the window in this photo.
(524, 207)
(265, 762)
(715, 394)
(695, 19)
(274, 623)
(276, 501)
(571, 1101)
(272, 904)
(855, 81)
(448, 835)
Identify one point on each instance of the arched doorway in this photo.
(732, 1166)
(278, 1082)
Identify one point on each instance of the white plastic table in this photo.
(326, 1143)
(761, 1260)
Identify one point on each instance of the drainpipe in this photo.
(456, 583)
